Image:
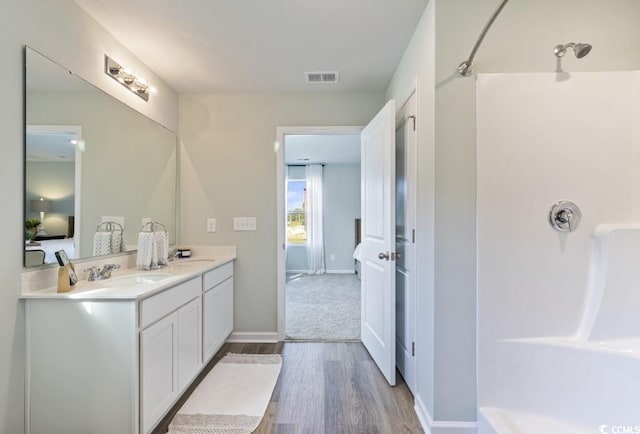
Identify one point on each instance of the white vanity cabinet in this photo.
(112, 365)
(217, 308)
(170, 348)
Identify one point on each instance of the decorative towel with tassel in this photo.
(147, 251)
(162, 246)
(117, 244)
(102, 243)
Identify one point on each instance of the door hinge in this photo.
(413, 349)
(413, 118)
(284, 246)
(413, 236)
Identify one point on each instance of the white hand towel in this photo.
(116, 242)
(147, 254)
(162, 246)
(101, 243)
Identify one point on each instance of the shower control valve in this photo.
(564, 216)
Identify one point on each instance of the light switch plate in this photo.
(211, 225)
(244, 223)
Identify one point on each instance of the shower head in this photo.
(579, 49)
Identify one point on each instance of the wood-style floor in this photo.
(326, 388)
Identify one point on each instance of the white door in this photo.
(158, 369)
(406, 241)
(378, 240)
(211, 321)
(189, 342)
(226, 308)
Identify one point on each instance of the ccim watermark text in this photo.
(620, 429)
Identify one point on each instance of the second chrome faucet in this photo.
(97, 274)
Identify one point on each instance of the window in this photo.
(296, 211)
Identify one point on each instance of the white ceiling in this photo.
(322, 149)
(50, 146)
(213, 46)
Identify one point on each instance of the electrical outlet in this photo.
(211, 225)
(244, 223)
(332, 257)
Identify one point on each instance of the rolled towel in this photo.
(101, 243)
(147, 254)
(162, 246)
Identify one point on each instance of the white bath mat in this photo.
(232, 398)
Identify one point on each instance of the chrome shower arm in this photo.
(466, 68)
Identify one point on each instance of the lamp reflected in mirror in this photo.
(42, 206)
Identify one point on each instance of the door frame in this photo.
(281, 221)
(412, 204)
(77, 130)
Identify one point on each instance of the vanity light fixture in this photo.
(128, 78)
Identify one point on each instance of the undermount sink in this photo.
(135, 279)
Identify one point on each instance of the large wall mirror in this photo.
(95, 169)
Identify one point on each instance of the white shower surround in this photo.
(543, 138)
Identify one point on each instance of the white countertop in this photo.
(177, 271)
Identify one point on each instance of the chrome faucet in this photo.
(97, 274)
(173, 254)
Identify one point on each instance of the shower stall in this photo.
(558, 247)
(558, 311)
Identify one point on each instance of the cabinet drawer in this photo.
(160, 305)
(220, 274)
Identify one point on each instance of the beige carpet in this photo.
(232, 398)
(323, 307)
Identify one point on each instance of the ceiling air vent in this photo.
(322, 77)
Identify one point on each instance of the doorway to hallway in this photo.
(320, 179)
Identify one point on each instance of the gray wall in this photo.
(341, 184)
(446, 136)
(228, 168)
(63, 31)
(341, 208)
(128, 166)
(418, 63)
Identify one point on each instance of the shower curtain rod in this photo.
(466, 68)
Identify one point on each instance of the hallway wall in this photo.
(65, 33)
(228, 168)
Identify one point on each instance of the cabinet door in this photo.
(189, 342)
(226, 308)
(211, 322)
(158, 369)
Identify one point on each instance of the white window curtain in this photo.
(315, 225)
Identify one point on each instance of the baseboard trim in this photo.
(253, 337)
(423, 414)
(297, 271)
(441, 427)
